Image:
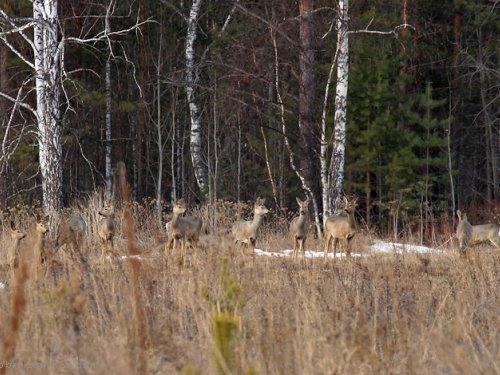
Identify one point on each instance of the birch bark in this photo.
(47, 58)
(199, 165)
(340, 120)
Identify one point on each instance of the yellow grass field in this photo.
(220, 313)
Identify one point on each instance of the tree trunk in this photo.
(4, 83)
(159, 139)
(47, 70)
(199, 165)
(107, 149)
(340, 120)
(107, 152)
(307, 124)
(325, 178)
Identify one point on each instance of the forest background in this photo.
(423, 129)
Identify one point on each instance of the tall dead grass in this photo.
(380, 314)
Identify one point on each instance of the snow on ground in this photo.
(309, 253)
(122, 257)
(3, 285)
(399, 248)
(377, 247)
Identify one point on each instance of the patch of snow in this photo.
(122, 257)
(309, 254)
(399, 248)
(377, 247)
(3, 285)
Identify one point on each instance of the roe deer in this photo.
(485, 233)
(245, 232)
(40, 254)
(71, 231)
(299, 227)
(182, 228)
(13, 255)
(464, 231)
(106, 229)
(340, 227)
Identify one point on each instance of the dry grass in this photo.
(382, 314)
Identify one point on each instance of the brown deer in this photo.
(485, 233)
(299, 227)
(106, 229)
(185, 229)
(245, 232)
(40, 253)
(71, 231)
(340, 227)
(464, 231)
(13, 255)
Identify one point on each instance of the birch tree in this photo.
(46, 65)
(332, 177)
(199, 164)
(307, 124)
(340, 120)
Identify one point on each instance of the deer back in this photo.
(485, 232)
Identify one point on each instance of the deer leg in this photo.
(242, 244)
(495, 242)
(327, 246)
(335, 242)
(252, 246)
(347, 247)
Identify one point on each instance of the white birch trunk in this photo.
(47, 73)
(325, 180)
(338, 153)
(200, 167)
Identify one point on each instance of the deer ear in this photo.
(298, 201)
(263, 201)
(12, 225)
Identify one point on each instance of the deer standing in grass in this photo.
(299, 227)
(484, 233)
(182, 228)
(40, 254)
(106, 229)
(13, 255)
(245, 232)
(71, 231)
(340, 227)
(464, 231)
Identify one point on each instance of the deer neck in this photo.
(352, 222)
(40, 240)
(257, 220)
(175, 220)
(16, 245)
(303, 218)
